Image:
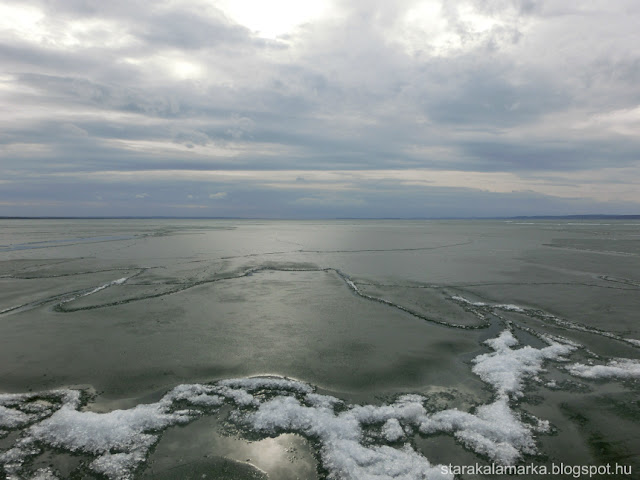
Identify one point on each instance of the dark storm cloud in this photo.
(526, 88)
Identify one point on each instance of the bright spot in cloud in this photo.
(427, 27)
(477, 22)
(218, 195)
(273, 18)
(31, 24)
(93, 33)
(424, 28)
(185, 70)
(428, 14)
(23, 20)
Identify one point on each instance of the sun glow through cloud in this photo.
(185, 70)
(24, 21)
(271, 19)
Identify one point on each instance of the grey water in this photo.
(362, 312)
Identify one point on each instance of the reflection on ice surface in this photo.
(356, 441)
(416, 343)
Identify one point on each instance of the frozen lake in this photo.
(316, 349)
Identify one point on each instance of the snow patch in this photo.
(340, 435)
(494, 430)
(120, 440)
(507, 368)
(616, 368)
(392, 430)
(11, 418)
(270, 383)
(44, 474)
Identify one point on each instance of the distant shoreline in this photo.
(520, 217)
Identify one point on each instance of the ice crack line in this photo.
(61, 306)
(542, 316)
(67, 297)
(366, 250)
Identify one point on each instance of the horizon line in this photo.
(161, 217)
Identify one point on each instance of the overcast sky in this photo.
(290, 108)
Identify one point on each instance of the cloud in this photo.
(518, 94)
(215, 196)
(328, 201)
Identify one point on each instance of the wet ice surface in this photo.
(120, 439)
(412, 344)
